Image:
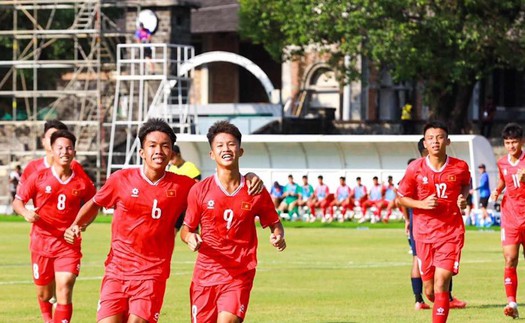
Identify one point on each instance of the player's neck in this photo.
(153, 174)
(62, 171)
(230, 178)
(437, 161)
(515, 157)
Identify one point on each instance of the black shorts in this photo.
(147, 52)
(483, 201)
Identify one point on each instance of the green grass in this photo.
(331, 273)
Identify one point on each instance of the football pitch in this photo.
(329, 274)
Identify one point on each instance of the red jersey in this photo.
(143, 226)
(229, 236)
(41, 163)
(422, 180)
(57, 203)
(513, 203)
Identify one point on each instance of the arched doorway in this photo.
(323, 90)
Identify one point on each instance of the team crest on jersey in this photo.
(246, 206)
(170, 193)
(211, 204)
(452, 178)
(425, 180)
(48, 189)
(135, 192)
(76, 192)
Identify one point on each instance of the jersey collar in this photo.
(218, 182)
(427, 160)
(58, 177)
(517, 160)
(143, 175)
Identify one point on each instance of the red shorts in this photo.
(44, 268)
(142, 298)
(445, 255)
(512, 235)
(208, 301)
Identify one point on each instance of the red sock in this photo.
(46, 308)
(511, 284)
(63, 313)
(441, 307)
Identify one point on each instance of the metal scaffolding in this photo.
(85, 38)
(148, 87)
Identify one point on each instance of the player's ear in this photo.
(241, 152)
(448, 141)
(212, 156)
(141, 153)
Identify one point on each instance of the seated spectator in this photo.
(290, 195)
(359, 194)
(375, 199)
(390, 198)
(276, 192)
(321, 199)
(306, 195)
(342, 199)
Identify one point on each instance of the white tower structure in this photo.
(148, 87)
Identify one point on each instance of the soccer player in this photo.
(511, 174)
(321, 199)
(45, 162)
(342, 199)
(390, 198)
(359, 194)
(306, 195)
(290, 195)
(375, 198)
(148, 203)
(57, 193)
(227, 242)
(435, 187)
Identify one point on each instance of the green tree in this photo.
(446, 45)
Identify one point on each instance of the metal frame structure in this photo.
(92, 35)
(148, 87)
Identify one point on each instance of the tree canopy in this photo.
(446, 45)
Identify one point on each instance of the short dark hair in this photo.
(512, 131)
(358, 178)
(176, 149)
(320, 177)
(411, 160)
(290, 176)
(343, 178)
(304, 176)
(63, 134)
(156, 125)
(375, 177)
(436, 125)
(223, 127)
(54, 124)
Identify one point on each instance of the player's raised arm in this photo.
(192, 239)
(85, 216)
(277, 236)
